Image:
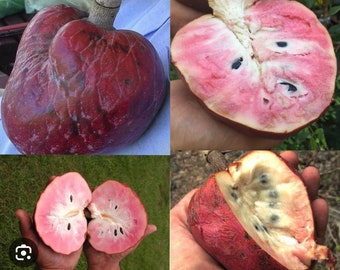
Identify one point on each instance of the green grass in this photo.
(23, 178)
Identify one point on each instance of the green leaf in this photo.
(334, 31)
(308, 3)
(334, 10)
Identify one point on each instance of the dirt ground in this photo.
(190, 169)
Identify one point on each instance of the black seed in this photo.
(272, 204)
(116, 206)
(264, 228)
(71, 198)
(127, 81)
(237, 63)
(291, 87)
(115, 232)
(256, 227)
(121, 230)
(273, 194)
(69, 226)
(282, 44)
(264, 180)
(234, 195)
(265, 101)
(274, 218)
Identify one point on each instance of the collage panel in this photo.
(89, 77)
(55, 190)
(261, 203)
(244, 75)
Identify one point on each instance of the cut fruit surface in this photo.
(59, 214)
(266, 66)
(119, 218)
(271, 202)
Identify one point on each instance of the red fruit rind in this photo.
(76, 88)
(218, 231)
(271, 202)
(117, 213)
(59, 214)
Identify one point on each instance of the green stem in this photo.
(103, 13)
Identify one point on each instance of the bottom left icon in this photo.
(23, 252)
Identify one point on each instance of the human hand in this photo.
(186, 253)
(193, 127)
(47, 258)
(101, 260)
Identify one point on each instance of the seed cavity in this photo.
(121, 230)
(234, 195)
(291, 87)
(272, 204)
(282, 44)
(260, 228)
(274, 218)
(264, 179)
(237, 63)
(69, 226)
(273, 194)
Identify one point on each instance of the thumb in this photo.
(151, 228)
(26, 225)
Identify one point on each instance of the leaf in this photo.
(308, 3)
(334, 10)
(334, 31)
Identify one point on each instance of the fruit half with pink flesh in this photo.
(119, 218)
(258, 205)
(264, 66)
(59, 215)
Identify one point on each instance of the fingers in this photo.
(291, 157)
(311, 178)
(151, 228)
(26, 225)
(320, 213)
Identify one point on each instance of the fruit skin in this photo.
(250, 96)
(76, 88)
(59, 218)
(218, 231)
(119, 219)
(239, 195)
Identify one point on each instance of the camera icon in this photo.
(23, 252)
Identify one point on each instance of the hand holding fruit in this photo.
(185, 250)
(118, 223)
(192, 127)
(47, 258)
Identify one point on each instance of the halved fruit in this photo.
(59, 214)
(119, 218)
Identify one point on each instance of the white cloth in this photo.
(151, 18)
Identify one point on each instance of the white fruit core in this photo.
(271, 203)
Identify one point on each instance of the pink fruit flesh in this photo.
(270, 203)
(119, 218)
(268, 66)
(59, 217)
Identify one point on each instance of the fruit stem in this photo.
(103, 13)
